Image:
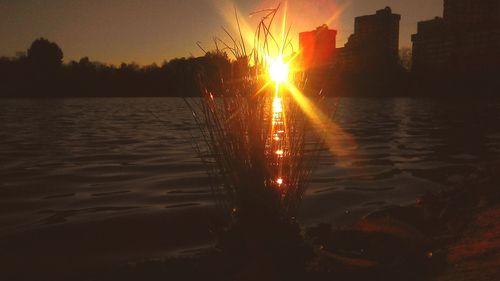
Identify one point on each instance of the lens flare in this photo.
(278, 70)
(338, 141)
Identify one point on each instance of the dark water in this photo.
(91, 182)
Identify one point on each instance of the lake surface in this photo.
(87, 183)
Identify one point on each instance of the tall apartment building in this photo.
(472, 14)
(467, 38)
(432, 45)
(318, 47)
(375, 41)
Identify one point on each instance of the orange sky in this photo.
(147, 31)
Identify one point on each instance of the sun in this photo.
(278, 70)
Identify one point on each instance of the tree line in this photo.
(41, 73)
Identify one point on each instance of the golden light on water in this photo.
(277, 105)
(279, 181)
(278, 133)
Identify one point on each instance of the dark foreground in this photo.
(451, 235)
(448, 235)
(91, 184)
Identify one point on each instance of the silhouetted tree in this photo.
(85, 62)
(41, 73)
(45, 54)
(405, 57)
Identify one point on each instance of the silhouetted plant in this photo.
(236, 122)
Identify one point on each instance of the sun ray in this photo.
(228, 10)
(263, 88)
(263, 133)
(338, 11)
(324, 125)
(283, 30)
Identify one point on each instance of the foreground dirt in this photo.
(449, 236)
(476, 255)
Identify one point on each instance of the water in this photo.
(87, 182)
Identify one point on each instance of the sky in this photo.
(147, 31)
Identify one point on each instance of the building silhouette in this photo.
(432, 45)
(318, 47)
(375, 42)
(465, 39)
(472, 14)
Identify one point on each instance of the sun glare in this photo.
(278, 70)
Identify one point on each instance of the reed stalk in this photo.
(258, 189)
(235, 119)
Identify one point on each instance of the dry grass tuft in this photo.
(235, 119)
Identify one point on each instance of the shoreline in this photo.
(440, 237)
(451, 235)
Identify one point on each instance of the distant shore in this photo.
(42, 74)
